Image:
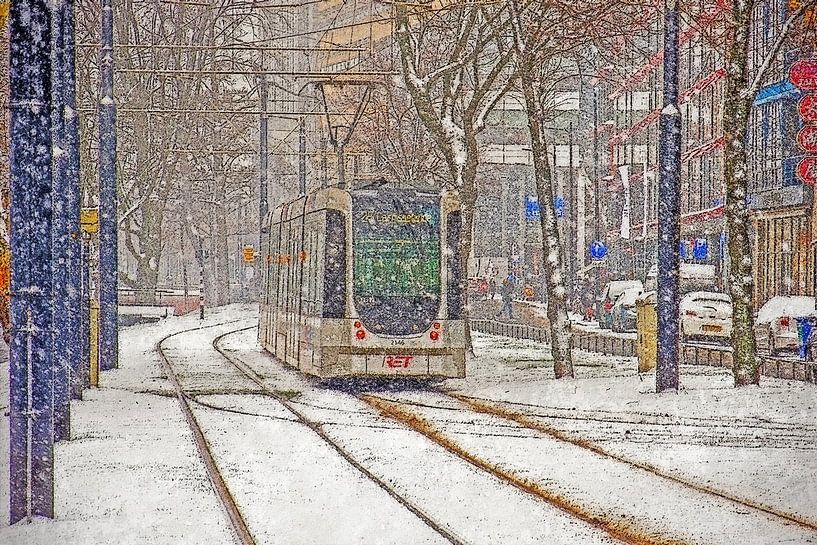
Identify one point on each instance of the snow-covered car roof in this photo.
(617, 287)
(706, 296)
(786, 305)
(628, 297)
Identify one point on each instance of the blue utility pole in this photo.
(108, 299)
(64, 235)
(72, 203)
(31, 460)
(669, 210)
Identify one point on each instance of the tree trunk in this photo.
(468, 199)
(735, 125)
(221, 272)
(552, 251)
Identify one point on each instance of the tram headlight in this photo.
(361, 334)
(434, 335)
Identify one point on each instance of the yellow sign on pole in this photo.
(4, 12)
(5, 269)
(89, 220)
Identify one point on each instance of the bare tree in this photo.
(742, 84)
(176, 101)
(456, 67)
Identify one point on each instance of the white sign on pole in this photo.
(624, 172)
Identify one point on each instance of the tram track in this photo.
(237, 522)
(620, 531)
(316, 427)
(396, 410)
(617, 528)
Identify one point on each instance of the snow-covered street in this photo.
(506, 455)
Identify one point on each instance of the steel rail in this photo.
(239, 526)
(316, 428)
(618, 529)
(529, 422)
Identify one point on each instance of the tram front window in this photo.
(396, 252)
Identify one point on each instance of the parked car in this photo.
(623, 313)
(611, 292)
(706, 315)
(775, 324)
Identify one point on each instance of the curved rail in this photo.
(239, 526)
(346, 455)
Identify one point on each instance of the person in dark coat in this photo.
(506, 290)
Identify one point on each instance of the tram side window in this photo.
(283, 276)
(455, 280)
(270, 264)
(309, 289)
(334, 291)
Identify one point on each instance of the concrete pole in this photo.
(669, 210)
(31, 460)
(108, 281)
(263, 205)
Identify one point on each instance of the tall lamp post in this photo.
(108, 281)
(669, 210)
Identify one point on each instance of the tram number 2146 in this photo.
(394, 362)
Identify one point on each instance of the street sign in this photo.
(807, 108)
(701, 249)
(598, 250)
(807, 138)
(531, 208)
(803, 74)
(89, 220)
(559, 205)
(807, 170)
(249, 254)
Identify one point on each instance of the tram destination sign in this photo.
(803, 74)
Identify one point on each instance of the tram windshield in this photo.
(396, 255)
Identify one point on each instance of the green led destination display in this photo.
(396, 241)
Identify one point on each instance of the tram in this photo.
(364, 283)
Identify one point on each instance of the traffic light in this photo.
(249, 254)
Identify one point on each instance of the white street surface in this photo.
(131, 474)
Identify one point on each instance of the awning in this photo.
(777, 91)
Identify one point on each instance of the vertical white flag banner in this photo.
(646, 216)
(624, 172)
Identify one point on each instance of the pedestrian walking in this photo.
(506, 290)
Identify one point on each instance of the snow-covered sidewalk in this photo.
(130, 473)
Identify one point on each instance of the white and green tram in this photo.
(364, 283)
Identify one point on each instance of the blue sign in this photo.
(559, 206)
(531, 208)
(701, 249)
(682, 250)
(598, 250)
(723, 246)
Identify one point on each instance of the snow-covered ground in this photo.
(132, 474)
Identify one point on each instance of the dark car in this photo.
(611, 292)
(623, 313)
